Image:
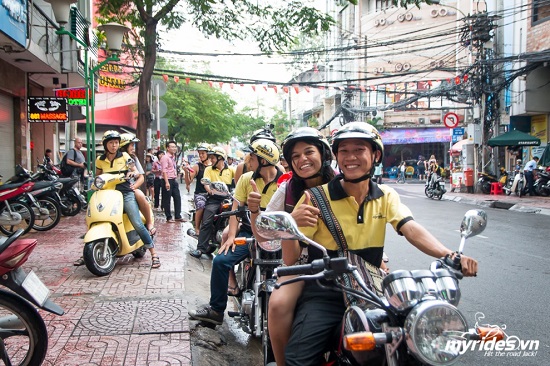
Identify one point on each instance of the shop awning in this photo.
(456, 148)
(545, 157)
(514, 138)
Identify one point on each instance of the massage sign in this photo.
(47, 109)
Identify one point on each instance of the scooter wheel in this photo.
(96, 262)
(73, 206)
(25, 337)
(428, 192)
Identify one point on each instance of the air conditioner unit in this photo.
(423, 120)
(398, 67)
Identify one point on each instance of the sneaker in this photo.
(206, 314)
(195, 253)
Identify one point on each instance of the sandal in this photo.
(155, 262)
(234, 291)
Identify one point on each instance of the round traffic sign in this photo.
(450, 120)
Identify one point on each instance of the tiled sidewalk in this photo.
(134, 316)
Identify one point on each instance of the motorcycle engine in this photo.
(247, 302)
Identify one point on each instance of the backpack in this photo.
(66, 169)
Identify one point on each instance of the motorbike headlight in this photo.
(270, 245)
(433, 328)
(99, 183)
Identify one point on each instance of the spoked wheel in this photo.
(47, 220)
(24, 338)
(22, 218)
(428, 192)
(100, 256)
(266, 341)
(73, 206)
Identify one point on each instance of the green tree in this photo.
(282, 125)
(273, 26)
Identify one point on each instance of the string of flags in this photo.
(418, 85)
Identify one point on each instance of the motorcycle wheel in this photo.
(24, 335)
(49, 221)
(266, 340)
(73, 205)
(544, 191)
(519, 191)
(93, 257)
(139, 253)
(26, 213)
(438, 196)
(428, 192)
(485, 187)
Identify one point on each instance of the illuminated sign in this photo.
(75, 96)
(47, 109)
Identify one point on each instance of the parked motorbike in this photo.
(69, 196)
(486, 179)
(542, 184)
(15, 214)
(221, 219)
(515, 185)
(110, 233)
(256, 283)
(23, 334)
(435, 186)
(46, 207)
(415, 323)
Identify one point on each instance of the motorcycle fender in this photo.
(100, 230)
(14, 281)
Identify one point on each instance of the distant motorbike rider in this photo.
(115, 161)
(217, 172)
(200, 195)
(254, 189)
(362, 210)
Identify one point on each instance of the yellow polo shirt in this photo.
(118, 165)
(364, 225)
(244, 188)
(226, 175)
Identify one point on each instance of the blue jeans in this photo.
(220, 273)
(131, 209)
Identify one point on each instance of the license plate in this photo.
(34, 287)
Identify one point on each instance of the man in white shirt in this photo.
(529, 171)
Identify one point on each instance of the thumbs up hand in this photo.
(305, 214)
(254, 198)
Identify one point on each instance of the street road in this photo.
(511, 289)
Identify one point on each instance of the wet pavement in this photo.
(134, 316)
(138, 315)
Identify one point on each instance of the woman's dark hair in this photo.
(48, 151)
(298, 186)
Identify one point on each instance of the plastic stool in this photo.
(496, 188)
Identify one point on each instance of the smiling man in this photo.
(359, 210)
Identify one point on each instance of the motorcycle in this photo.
(110, 233)
(46, 207)
(15, 214)
(515, 185)
(255, 283)
(23, 334)
(435, 186)
(221, 219)
(486, 179)
(416, 322)
(542, 184)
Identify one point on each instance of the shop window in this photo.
(382, 5)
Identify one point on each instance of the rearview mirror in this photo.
(278, 225)
(473, 223)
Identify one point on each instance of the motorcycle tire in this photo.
(24, 339)
(139, 253)
(544, 191)
(73, 206)
(49, 221)
(266, 340)
(428, 192)
(485, 187)
(520, 189)
(92, 257)
(25, 211)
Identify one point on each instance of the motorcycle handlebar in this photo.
(237, 212)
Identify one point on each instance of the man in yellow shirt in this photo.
(217, 172)
(362, 209)
(254, 189)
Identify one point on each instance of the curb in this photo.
(512, 206)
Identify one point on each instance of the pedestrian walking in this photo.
(157, 171)
(171, 188)
(421, 165)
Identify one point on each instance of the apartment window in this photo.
(541, 11)
(382, 4)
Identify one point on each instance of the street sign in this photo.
(459, 131)
(450, 120)
(47, 109)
